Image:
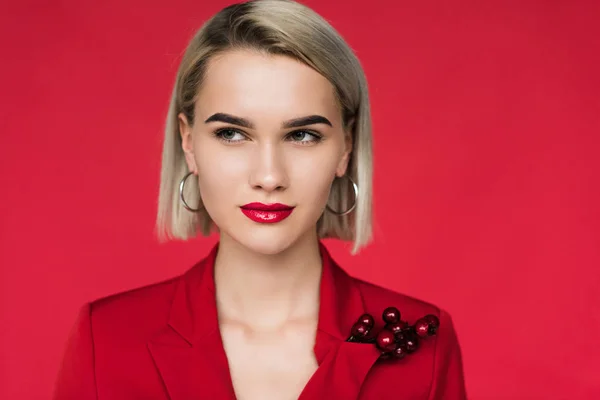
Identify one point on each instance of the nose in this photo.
(268, 172)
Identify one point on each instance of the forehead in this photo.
(254, 85)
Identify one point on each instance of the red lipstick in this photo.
(267, 213)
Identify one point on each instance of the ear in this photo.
(185, 130)
(348, 144)
(343, 164)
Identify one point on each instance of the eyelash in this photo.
(316, 136)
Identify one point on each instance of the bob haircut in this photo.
(272, 27)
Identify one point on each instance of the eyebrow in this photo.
(292, 123)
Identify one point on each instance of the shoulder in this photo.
(109, 334)
(133, 314)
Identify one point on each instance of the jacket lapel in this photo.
(343, 366)
(189, 353)
(191, 360)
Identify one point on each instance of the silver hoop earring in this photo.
(348, 211)
(181, 186)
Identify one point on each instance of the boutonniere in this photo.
(397, 338)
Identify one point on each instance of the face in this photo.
(268, 129)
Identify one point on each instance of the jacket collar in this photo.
(191, 360)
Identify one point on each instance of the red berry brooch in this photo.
(397, 338)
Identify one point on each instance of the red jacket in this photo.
(162, 342)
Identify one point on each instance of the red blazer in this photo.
(162, 342)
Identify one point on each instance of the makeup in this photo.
(267, 213)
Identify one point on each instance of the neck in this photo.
(267, 291)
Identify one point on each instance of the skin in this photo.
(266, 275)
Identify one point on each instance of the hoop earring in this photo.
(348, 211)
(181, 186)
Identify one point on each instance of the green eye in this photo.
(304, 137)
(229, 135)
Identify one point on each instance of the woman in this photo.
(268, 142)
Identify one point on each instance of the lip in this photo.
(267, 207)
(267, 213)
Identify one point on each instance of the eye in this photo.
(229, 135)
(305, 137)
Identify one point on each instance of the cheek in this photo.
(311, 179)
(220, 175)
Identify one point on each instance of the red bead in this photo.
(434, 323)
(400, 351)
(422, 327)
(360, 330)
(391, 315)
(397, 327)
(386, 341)
(367, 319)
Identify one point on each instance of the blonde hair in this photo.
(275, 27)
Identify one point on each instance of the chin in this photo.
(266, 241)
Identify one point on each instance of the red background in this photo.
(486, 118)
